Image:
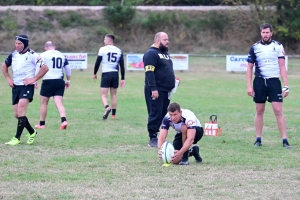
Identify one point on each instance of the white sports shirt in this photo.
(56, 63)
(110, 58)
(23, 65)
(265, 57)
(188, 118)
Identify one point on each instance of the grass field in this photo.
(96, 159)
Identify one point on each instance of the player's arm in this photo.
(122, 69)
(68, 74)
(176, 158)
(97, 64)
(5, 72)
(190, 137)
(251, 60)
(43, 70)
(163, 133)
(150, 62)
(283, 73)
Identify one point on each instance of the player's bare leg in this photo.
(114, 101)
(104, 93)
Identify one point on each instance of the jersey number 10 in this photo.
(57, 63)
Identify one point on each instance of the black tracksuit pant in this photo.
(157, 109)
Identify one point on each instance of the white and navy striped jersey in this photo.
(265, 57)
(188, 118)
(23, 65)
(110, 58)
(56, 63)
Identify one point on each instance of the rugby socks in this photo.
(258, 139)
(21, 125)
(114, 111)
(106, 106)
(285, 141)
(42, 123)
(191, 151)
(28, 126)
(63, 119)
(185, 156)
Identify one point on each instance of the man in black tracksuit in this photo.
(159, 81)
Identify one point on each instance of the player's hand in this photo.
(155, 94)
(176, 158)
(285, 91)
(95, 77)
(10, 82)
(67, 85)
(122, 83)
(178, 80)
(159, 154)
(36, 86)
(29, 81)
(250, 92)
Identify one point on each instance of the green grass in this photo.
(96, 159)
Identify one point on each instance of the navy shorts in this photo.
(22, 92)
(177, 143)
(52, 87)
(110, 80)
(267, 89)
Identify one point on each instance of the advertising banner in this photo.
(238, 63)
(77, 60)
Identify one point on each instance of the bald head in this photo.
(159, 35)
(49, 45)
(161, 41)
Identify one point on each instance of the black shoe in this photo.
(257, 144)
(195, 152)
(184, 162)
(106, 113)
(287, 145)
(152, 142)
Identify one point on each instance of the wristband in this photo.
(285, 89)
(68, 81)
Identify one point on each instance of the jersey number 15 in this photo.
(112, 57)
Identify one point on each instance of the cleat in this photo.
(31, 137)
(287, 145)
(195, 152)
(257, 144)
(113, 116)
(184, 162)
(38, 126)
(107, 111)
(152, 142)
(14, 141)
(63, 125)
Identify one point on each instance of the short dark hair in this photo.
(112, 37)
(265, 26)
(173, 107)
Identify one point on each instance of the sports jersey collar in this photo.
(23, 52)
(267, 43)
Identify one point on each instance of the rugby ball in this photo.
(167, 151)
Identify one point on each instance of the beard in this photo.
(266, 40)
(163, 48)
